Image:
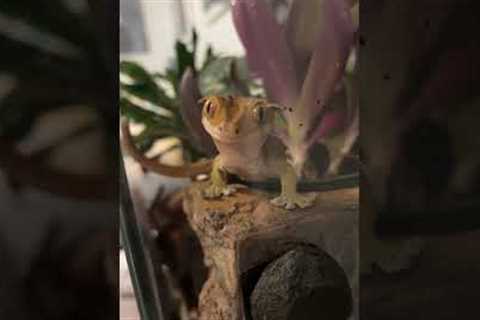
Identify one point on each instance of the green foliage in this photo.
(144, 86)
(224, 76)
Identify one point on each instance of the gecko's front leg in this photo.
(289, 197)
(218, 186)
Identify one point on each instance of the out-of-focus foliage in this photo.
(55, 54)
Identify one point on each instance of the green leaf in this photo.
(194, 44)
(209, 57)
(135, 71)
(224, 76)
(144, 144)
(185, 58)
(144, 85)
(138, 114)
(147, 137)
(142, 91)
(173, 78)
(169, 76)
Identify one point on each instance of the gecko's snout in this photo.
(229, 128)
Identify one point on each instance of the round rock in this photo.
(303, 284)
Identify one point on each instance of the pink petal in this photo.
(268, 54)
(331, 123)
(301, 29)
(327, 66)
(346, 126)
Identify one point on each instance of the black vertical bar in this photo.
(138, 257)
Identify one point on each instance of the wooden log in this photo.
(243, 233)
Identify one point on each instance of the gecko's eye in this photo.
(209, 108)
(259, 114)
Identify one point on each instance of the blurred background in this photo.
(58, 172)
(419, 95)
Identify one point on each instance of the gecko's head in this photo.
(232, 119)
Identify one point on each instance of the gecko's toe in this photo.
(290, 206)
(304, 201)
(229, 190)
(278, 201)
(293, 201)
(213, 191)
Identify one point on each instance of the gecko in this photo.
(242, 129)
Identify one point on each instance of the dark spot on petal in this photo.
(318, 101)
(237, 131)
(387, 76)
(300, 124)
(362, 40)
(290, 110)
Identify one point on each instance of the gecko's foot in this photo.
(292, 201)
(215, 191)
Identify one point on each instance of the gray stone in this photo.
(304, 283)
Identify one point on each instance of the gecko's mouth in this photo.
(234, 137)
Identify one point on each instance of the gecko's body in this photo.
(241, 129)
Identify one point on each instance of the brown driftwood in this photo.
(243, 232)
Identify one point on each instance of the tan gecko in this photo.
(242, 130)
